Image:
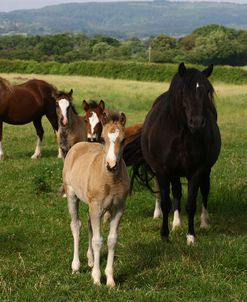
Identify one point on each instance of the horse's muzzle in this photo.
(112, 169)
(196, 124)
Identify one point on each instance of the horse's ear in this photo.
(102, 105)
(104, 119)
(122, 119)
(208, 71)
(182, 69)
(85, 105)
(70, 93)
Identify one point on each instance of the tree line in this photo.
(209, 44)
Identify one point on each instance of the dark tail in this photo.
(141, 171)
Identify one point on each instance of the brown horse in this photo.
(25, 103)
(96, 174)
(94, 112)
(71, 126)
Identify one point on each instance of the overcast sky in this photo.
(8, 5)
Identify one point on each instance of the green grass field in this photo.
(35, 236)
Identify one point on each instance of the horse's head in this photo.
(94, 112)
(113, 135)
(194, 94)
(63, 103)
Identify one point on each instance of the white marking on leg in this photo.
(157, 209)
(60, 153)
(75, 227)
(64, 104)
(93, 121)
(204, 219)
(176, 220)
(111, 242)
(90, 259)
(37, 152)
(97, 242)
(190, 239)
(111, 157)
(1, 151)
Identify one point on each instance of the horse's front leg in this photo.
(1, 136)
(177, 194)
(111, 242)
(205, 187)
(40, 132)
(164, 185)
(97, 241)
(75, 225)
(193, 186)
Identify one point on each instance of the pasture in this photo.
(35, 237)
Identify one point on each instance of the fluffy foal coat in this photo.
(71, 126)
(96, 174)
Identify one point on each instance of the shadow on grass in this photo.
(12, 242)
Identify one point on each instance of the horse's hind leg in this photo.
(53, 119)
(164, 185)
(1, 136)
(40, 132)
(177, 194)
(204, 188)
(157, 209)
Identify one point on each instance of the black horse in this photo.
(180, 138)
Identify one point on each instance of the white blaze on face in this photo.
(64, 104)
(197, 85)
(93, 121)
(111, 157)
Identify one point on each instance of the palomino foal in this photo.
(96, 174)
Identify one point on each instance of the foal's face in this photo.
(93, 120)
(113, 135)
(63, 102)
(195, 97)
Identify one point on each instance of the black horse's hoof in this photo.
(165, 238)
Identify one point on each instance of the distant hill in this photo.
(124, 19)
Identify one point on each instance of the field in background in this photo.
(35, 237)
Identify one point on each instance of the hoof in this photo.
(75, 266)
(157, 214)
(111, 284)
(190, 239)
(204, 225)
(35, 156)
(165, 239)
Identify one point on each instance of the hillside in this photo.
(124, 19)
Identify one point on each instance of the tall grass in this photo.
(35, 237)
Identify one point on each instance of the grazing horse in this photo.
(71, 126)
(25, 103)
(180, 138)
(94, 112)
(96, 174)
